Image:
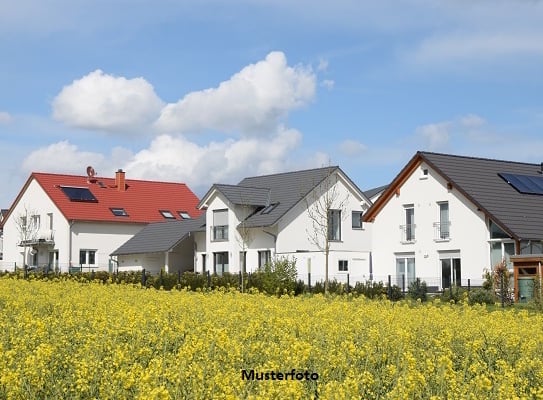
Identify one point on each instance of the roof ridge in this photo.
(241, 186)
(478, 158)
(107, 177)
(291, 172)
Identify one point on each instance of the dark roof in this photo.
(243, 195)
(161, 236)
(520, 215)
(375, 191)
(286, 190)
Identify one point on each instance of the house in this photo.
(68, 221)
(447, 218)
(3, 213)
(264, 217)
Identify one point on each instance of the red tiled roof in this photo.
(142, 200)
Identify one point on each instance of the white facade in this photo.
(57, 242)
(288, 237)
(427, 229)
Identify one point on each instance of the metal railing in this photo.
(219, 233)
(407, 233)
(442, 230)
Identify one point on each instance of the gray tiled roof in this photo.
(161, 236)
(477, 178)
(372, 192)
(285, 190)
(244, 195)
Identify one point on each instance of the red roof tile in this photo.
(142, 200)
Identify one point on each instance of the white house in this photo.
(246, 225)
(446, 218)
(69, 221)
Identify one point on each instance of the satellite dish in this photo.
(90, 172)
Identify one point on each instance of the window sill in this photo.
(219, 240)
(335, 241)
(408, 241)
(358, 229)
(442, 240)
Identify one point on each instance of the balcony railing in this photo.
(442, 231)
(43, 237)
(407, 233)
(219, 233)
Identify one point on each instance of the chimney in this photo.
(120, 181)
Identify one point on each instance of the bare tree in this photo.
(245, 235)
(27, 224)
(326, 208)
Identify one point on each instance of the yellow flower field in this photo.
(72, 340)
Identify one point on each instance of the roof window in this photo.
(119, 212)
(268, 209)
(167, 214)
(184, 214)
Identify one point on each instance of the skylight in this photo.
(526, 184)
(119, 212)
(268, 209)
(78, 194)
(184, 215)
(167, 214)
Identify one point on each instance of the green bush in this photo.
(454, 294)
(370, 289)
(481, 296)
(418, 290)
(277, 277)
(394, 293)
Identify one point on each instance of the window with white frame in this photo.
(264, 257)
(87, 258)
(220, 262)
(451, 269)
(357, 219)
(408, 229)
(405, 269)
(343, 265)
(442, 231)
(243, 261)
(334, 225)
(220, 225)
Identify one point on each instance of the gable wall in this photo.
(468, 230)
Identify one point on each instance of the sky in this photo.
(212, 91)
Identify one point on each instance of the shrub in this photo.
(481, 296)
(454, 294)
(418, 290)
(370, 289)
(394, 293)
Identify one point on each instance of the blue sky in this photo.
(213, 91)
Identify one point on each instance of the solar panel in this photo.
(78, 193)
(527, 184)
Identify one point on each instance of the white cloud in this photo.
(4, 117)
(328, 84)
(435, 136)
(472, 121)
(176, 158)
(252, 102)
(352, 148)
(105, 102)
(62, 157)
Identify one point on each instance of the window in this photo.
(119, 212)
(87, 257)
(451, 270)
(243, 261)
(343, 265)
(496, 232)
(220, 263)
(35, 222)
(408, 230)
(264, 257)
(78, 194)
(334, 224)
(184, 214)
(501, 250)
(50, 220)
(167, 214)
(220, 225)
(357, 219)
(424, 173)
(405, 270)
(442, 227)
(269, 208)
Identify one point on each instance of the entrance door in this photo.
(451, 272)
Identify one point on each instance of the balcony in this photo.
(442, 232)
(44, 237)
(407, 233)
(219, 233)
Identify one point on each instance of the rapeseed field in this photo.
(64, 339)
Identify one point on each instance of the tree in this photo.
(27, 223)
(326, 208)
